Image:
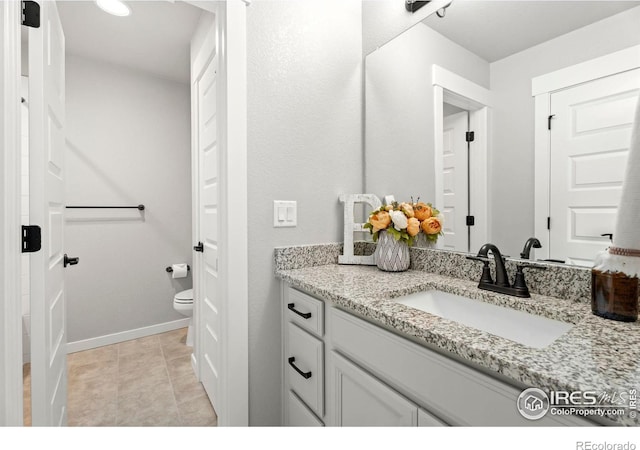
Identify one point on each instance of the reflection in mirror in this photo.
(476, 70)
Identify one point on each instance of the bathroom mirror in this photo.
(472, 71)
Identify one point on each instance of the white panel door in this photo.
(590, 136)
(209, 183)
(46, 189)
(455, 167)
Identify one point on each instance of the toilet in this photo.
(183, 303)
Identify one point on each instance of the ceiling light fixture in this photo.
(114, 7)
(442, 11)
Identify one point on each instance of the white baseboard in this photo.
(128, 335)
(194, 366)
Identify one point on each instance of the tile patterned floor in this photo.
(143, 382)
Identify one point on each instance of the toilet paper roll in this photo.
(179, 270)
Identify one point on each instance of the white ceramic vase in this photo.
(391, 255)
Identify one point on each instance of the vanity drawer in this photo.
(299, 414)
(305, 367)
(304, 310)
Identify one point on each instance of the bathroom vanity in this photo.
(354, 352)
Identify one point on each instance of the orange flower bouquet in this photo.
(404, 221)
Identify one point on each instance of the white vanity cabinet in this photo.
(351, 372)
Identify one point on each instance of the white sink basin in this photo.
(519, 326)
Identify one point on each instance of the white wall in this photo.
(304, 144)
(512, 153)
(399, 135)
(128, 142)
(207, 20)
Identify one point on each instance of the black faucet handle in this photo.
(486, 270)
(483, 259)
(529, 266)
(519, 282)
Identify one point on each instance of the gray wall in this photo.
(399, 135)
(304, 144)
(128, 142)
(512, 152)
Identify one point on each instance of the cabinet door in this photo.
(361, 400)
(299, 414)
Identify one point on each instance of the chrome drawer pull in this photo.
(291, 306)
(306, 375)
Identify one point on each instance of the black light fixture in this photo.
(414, 5)
(442, 11)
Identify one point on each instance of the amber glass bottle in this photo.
(614, 295)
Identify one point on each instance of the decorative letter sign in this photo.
(350, 227)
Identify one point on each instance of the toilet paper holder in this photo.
(170, 269)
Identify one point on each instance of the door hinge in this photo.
(471, 221)
(469, 136)
(549, 121)
(31, 238)
(31, 14)
(548, 223)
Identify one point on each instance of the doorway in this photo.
(461, 132)
(455, 175)
(224, 15)
(126, 142)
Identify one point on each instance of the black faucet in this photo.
(501, 285)
(501, 271)
(531, 242)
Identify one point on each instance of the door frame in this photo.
(449, 87)
(541, 89)
(232, 30)
(230, 23)
(11, 400)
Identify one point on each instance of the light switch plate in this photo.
(285, 213)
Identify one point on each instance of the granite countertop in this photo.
(596, 354)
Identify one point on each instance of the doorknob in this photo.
(199, 247)
(70, 261)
